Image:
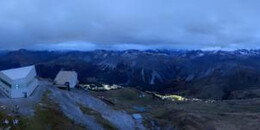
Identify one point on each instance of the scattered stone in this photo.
(137, 116)
(8, 128)
(142, 95)
(3, 107)
(139, 109)
(6, 121)
(15, 122)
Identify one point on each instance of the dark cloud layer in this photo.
(120, 24)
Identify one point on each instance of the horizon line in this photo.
(75, 50)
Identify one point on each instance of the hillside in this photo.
(201, 74)
(52, 108)
(185, 115)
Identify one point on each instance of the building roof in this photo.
(18, 73)
(65, 76)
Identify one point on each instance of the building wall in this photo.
(26, 85)
(73, 81)
(20, 91)
(32, 87)
(5, 89)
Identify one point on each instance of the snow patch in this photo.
(107, 65)
(143, 75)
(155, 75)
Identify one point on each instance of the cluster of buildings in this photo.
(22, 82)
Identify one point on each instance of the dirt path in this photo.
(71, 110)
(118, 118)
(68, 102)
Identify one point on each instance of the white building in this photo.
(66, 78)
(18, 82)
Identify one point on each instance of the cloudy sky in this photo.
(129, 24)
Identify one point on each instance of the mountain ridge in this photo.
(195, 73)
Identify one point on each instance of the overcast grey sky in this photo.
(122, 24)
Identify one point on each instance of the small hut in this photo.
(68, 79)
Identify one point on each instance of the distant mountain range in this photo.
(196, 73)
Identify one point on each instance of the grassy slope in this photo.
(236, 114)
(47, 116)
